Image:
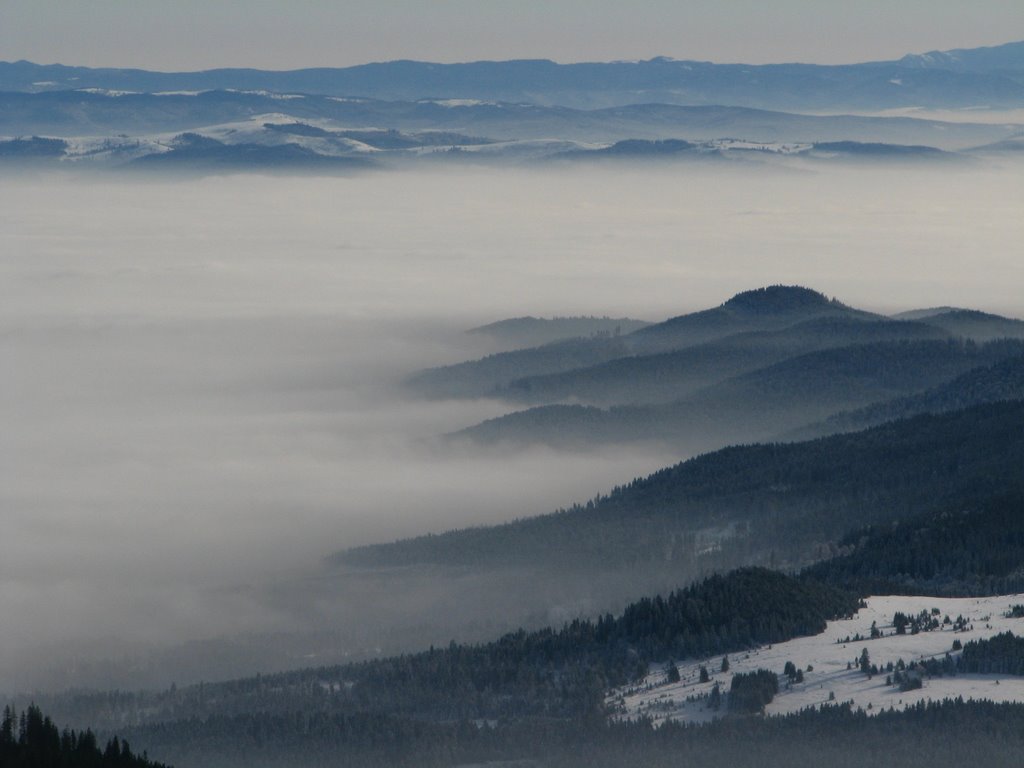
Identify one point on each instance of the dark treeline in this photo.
(530, 695)
(1001, 655)
(790, 502)
(481, 377)
(760, 404)
(965, 550)
(669, 376)
(752, 691)
(31, 740)
(986, 384)
(665, 361)
(563, 673)
(518, 332)
(746, 607)
(939, 735)
(770, 308)
(980, 326)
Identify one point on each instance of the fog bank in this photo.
(200, 390)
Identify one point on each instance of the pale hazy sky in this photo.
(198, 34)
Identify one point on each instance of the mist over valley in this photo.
(511, 413)
(215, 369)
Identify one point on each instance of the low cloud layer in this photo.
(200, 392)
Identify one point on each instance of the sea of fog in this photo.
(200, 389)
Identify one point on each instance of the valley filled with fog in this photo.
(202, 378)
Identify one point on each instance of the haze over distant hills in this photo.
(869, 509)
(265, 430)
(782, 501)
(765, 363)
(773, 308)
(989, 77)
(512, 111)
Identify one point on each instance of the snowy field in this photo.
(823, 659)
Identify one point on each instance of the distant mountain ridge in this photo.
(78, 113)
(765, 364)
(765, 309)
(959, 78)
(1001, 381)
(796, 318)
(525, 111)
(757, 405)
(768, 308)
(999, 58)
(667, 376)
(534, 331)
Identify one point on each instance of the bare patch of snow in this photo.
(829, 664)
(92, 149)
(458, 102)
(269, 94)
(107, 92)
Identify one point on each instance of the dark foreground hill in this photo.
(552, 672)
(376, 712)
(949, 734)
(537, 697)
(972, 548)
(31, 740)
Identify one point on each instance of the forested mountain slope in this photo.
(667, 376)
(972, 548)
(769, 308)
(980, 326)
(479, 378)
(524, 695)
(763, 309)
(515, 332)
(32, 740)
(757, 405)
(1002, 381)
(552, 673)
(947, 734)
(751, 503)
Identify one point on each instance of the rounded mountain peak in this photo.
(778, 299)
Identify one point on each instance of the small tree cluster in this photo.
(30, 739)
(752, 691)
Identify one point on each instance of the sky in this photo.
(202, 34)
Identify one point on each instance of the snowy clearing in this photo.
(823, 660)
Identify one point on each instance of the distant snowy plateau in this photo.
(935, 107)
(829, 664)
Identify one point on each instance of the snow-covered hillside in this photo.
(829, 663)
